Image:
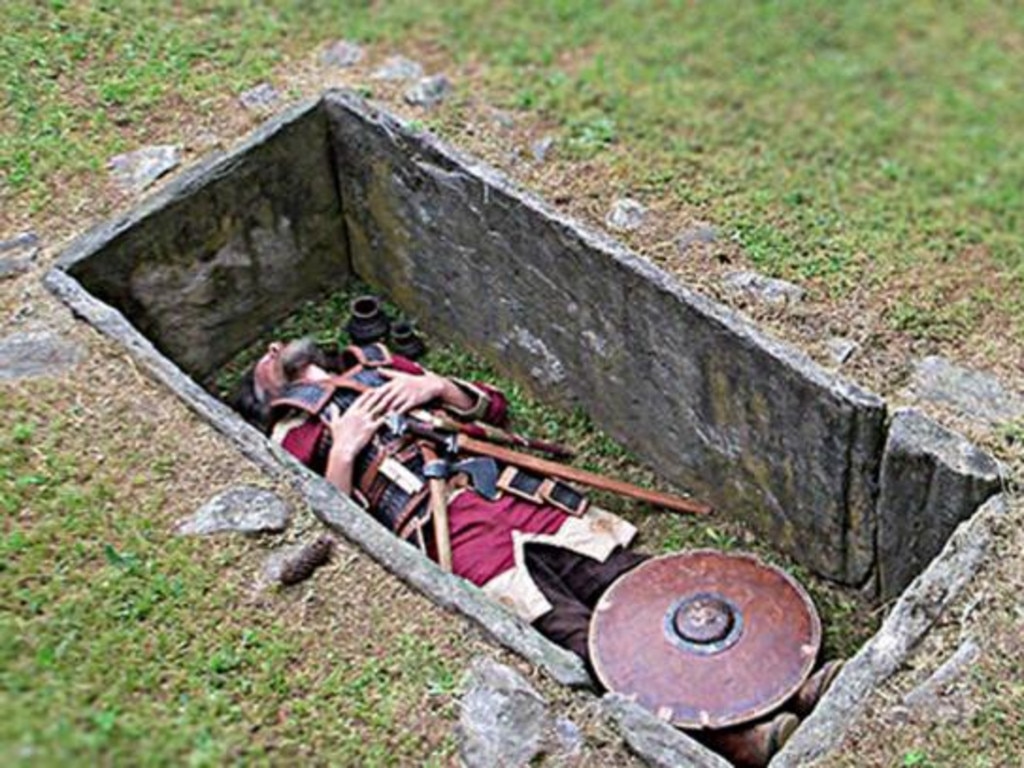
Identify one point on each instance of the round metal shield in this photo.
(705, 639)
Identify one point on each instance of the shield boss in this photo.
(705, 639)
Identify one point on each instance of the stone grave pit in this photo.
(334, 192)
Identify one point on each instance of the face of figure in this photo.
(268, 375)
(282, 363)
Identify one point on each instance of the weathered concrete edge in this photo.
(743, 328)
(657, 742)
(334, 510)
(920, 606)
(204, 173)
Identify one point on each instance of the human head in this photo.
(279, 365)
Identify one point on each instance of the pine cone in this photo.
(301, 566)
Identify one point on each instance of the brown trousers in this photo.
(573, 583)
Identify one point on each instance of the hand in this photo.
(405, 391)
(353, 429)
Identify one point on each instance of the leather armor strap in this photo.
(400, 450)
(415, 514)
(368, 479)
(369, 356)
(413, 532)
(542, 490)
(481, 400)
(311, 397)
(348, 380)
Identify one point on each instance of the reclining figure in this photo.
(543, 560)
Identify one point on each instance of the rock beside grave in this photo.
(700, 234)
(626, 215)
(134, 171)
(973, 393)
(398, 68)
(342, 54)
(429, 91)
(263, 96)
(502, 717)
(504, 721)
(18, 254)
(568, 740)
(36, 353)
(541, 148)
(762, 288)
(502, 119)
(840, 349)
(242, 509)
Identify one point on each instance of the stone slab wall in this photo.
(743, 421)
(918, 609)
(752, 425)
(227, 249)
(698, 392)
(932, 479)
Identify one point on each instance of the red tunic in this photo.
(481, 530)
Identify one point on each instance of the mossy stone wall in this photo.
(710, 402)
(227, 249)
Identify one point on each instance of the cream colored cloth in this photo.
(595, 535)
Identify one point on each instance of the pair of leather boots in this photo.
(752, 745)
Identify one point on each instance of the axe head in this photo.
(482, 472)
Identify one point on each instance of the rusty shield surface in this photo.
(705, 639)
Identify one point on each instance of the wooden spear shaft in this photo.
(581, 476)
(490, 433)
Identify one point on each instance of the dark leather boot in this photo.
(752, 746)
(814, 688)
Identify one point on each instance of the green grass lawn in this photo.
(120, 645)
(840, 142)
(847, 145)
